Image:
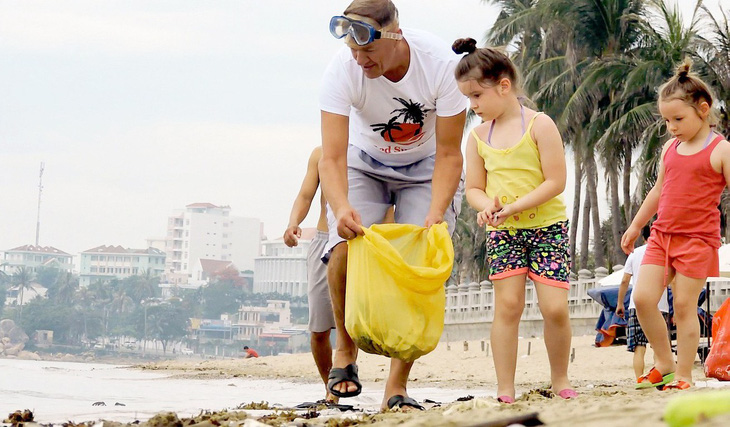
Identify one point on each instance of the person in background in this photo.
(636, 340)
(250, 352)
(321, 318)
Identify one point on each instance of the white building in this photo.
(207, 231)
(16, 297)
(282, 269)
(34, 257)
(109, 262)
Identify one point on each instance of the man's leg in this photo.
(322, 353)
(397, 382)
(345, 349)
(321, 320)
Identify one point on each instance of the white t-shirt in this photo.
(395, 122)
(633, 264)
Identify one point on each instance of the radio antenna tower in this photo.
(38, 217)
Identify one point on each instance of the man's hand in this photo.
(620, 310)
(292, 235)
(349, 224)
(432, 219)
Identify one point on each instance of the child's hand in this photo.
(502, 214)
(628, 239)
(485, 217)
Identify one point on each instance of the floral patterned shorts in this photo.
(541, 253)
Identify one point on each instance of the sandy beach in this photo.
(603, 377)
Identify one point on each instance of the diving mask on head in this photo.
(361, 32)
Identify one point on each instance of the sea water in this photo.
(63, 391)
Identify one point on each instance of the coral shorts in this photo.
(688, 256)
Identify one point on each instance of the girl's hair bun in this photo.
(467, 46)
(683, 70)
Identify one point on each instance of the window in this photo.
(94, 257)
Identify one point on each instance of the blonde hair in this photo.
(688, 87)
(383, 12)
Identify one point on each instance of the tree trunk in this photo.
(617, 224)
(627, 182)
(578, 175)
(585, 226)
(592, 184)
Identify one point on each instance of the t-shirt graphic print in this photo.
(405, 128)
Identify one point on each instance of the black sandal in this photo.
(401, 401)
(340, 375)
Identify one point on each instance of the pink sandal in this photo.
(568, 393)
(506, 399)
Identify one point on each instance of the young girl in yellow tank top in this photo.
(515, 174)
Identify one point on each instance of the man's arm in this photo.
(303, 202)
(333, 173)
(622, 289)
(448, 166)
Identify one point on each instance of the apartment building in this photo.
(282, 269)
(203, 231)
(109, 262)
(34, 257)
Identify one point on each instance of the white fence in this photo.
(470, 303)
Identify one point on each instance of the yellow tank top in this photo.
(514, 172)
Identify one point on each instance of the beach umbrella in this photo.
(613, 279)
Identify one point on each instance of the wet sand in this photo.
(603, 378)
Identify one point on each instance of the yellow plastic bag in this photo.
(395, 296)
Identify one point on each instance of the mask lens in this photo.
(361, 33)
(339, 26)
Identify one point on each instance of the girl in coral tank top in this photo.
(685, 237)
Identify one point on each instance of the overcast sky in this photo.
(139, 108)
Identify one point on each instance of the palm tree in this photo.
(66, 285)
(388, 128)
(23, 279)
(144, 285)
(121, 302)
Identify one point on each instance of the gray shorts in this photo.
(373, 187)
(321, 318)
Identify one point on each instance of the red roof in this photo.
(41, 249)
(212, 266)
(121, 250)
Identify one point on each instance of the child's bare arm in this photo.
(476, 183)
(648, 208)
(725, 160)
